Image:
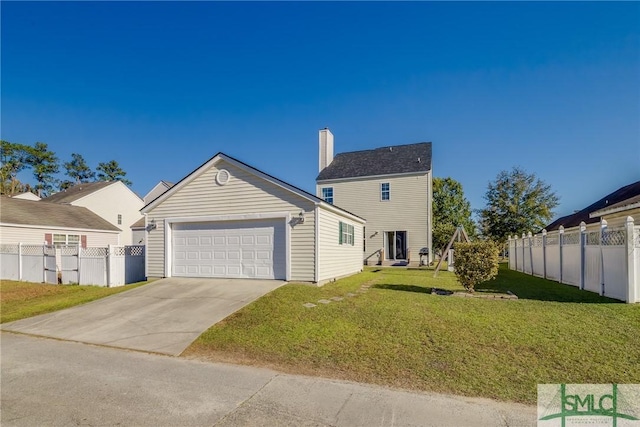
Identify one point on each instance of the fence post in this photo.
(544, 253)
(44, 262)
(603, 232)
(583, 250)
(632, 273)
(19, 261)
(108, 264)
(560, 245)
(529, 237)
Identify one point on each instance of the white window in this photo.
(346, 234)
(119, 219)
(385, 191)
(66, 239)
(327, 194)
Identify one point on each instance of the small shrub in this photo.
(475, 262)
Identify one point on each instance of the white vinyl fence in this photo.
(605, 261)
(110, 266)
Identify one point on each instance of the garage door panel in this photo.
(242, 249)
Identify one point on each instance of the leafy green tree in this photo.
(517, 202)
(44, 165)
(14, 159)
(78, 170)
(450, 210)
(111, 171)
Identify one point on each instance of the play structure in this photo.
(447, 254)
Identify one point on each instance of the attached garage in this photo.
(227, 219)
(253, 249)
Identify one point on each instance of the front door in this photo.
(396, 245)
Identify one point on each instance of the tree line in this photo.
(516, 202)
(45, 167)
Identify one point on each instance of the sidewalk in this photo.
(48, 382)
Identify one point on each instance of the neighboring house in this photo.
(156, 191)
(391, 187)
(27, 195)
(613, 207)
(34, 222)
(111, 200)
(228, 219)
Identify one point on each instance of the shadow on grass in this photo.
(536, 288)
(404, 288)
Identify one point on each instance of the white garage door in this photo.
(233, 249)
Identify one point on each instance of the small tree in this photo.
(476, 262)
(450, 210)
(111, 171)
(44, 164)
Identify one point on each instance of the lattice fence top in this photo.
(537, 240)
(552, 240)
(49, 250)
(118, 250)
(95, 252)
(613, 237)
(32, 250)
(593, 238)
(69, 250)
(571, 238)
(9, 249)
(527, 242)
(134, 250)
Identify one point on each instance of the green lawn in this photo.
(398, 334)
(23, 299)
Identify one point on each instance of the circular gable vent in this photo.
(223, 176)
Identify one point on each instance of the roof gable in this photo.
(77, 192)
(622, 194)
(398, 159)
(36, 213)
(249, 169)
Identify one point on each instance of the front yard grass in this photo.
(24, 299)
(398, 334)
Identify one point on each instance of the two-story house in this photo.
(391, 187)
(111, 200)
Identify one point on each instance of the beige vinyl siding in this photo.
(407, 210)
(35, 236)
(111, 201)
(335, 259)
(245, 193)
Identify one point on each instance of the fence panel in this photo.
(519, 256)
(33, 263)
(537, 261)
(116, 265)
(527, 255)
(9, 262)
(614, 263)
(636, 239)
(512, 254)
(69, 264)
(571, 259)
(93, 266)
(134, 263)
(592, 268)
(50, 270)
(553, 256)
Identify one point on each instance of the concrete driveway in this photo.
(165, 316)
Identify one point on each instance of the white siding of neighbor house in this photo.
(10, 234)
(112, 200)
(409, 209)
(138, 236)
(245, 193)
(156, 191)
(334, 259)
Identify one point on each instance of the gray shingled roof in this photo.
(622, 194)
(32, 212)
(76, 192)
(392, 160)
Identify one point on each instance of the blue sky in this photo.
(161, 87)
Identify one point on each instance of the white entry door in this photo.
(231, 249)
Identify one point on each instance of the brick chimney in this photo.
(325, 157)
